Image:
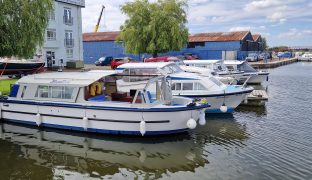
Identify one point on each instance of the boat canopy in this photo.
(202, 62)
(233, 62)
(65, 78)
(150, 65)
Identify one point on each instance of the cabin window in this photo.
(217, 82)
(199, 87)
(55, 92)
(187, 86)
(176, 86)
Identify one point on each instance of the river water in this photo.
(273, 141)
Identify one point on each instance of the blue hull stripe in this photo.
(94, 130)
(230, 110)
(185, 108)
(218, 95)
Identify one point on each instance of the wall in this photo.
(211, 50)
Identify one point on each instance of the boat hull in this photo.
(13, 68)
(257, 78)
(100, 120)
(231, 100)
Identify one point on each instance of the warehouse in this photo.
(229, 45)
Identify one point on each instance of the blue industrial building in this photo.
(230, 45)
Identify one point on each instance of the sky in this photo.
(282, 22)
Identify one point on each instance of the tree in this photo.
(264, 44)
(154, 28)
(22, 26)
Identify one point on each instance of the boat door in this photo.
(50, 55)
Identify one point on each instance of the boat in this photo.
(305, 57)
(222, 98)
(202, 71)
(20, 67)
(91, 102)
(255, 76)
(217, 66)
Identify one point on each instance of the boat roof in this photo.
(233, 62)
(201, 61)
(150, 65)
(65, 78)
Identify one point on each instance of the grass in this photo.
(5, 85)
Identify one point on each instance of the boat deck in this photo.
(260, 95)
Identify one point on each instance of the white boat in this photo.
(305, 57)
(255, 77)
(91, 102)
(217, 66)
(222, 98)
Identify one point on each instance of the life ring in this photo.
(95, 88)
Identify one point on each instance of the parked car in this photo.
(119, 61)
(190, 56)
(252, 57)
(284, 54)
(104, 61)
(160, 59)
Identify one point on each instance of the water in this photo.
(268, 142)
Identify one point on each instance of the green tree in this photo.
(22, 26)
(264, 44)
(154, 28)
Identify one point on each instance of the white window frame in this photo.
(69, 52)
(53, 33)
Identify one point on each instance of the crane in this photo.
(99, 20)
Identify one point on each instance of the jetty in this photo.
(273, 63)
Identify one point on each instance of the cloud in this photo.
(240, 28)
(261, 4)
(295, 33)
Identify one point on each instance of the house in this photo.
(228, 45)
(63, 37)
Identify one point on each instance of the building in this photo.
(64, 33)
(229, 45)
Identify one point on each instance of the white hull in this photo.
(257, 78)
(99, 120)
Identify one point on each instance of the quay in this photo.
(273, 63)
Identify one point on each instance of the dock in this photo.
(273, 63)
(256, 98)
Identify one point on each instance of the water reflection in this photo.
(58, 153)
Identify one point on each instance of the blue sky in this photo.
(282, 22)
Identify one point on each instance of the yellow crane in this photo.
(99, 20)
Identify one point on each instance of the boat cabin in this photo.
(181, 82)
(85, 87)
(235, 65)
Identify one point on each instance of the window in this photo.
(69, 41)
(187, 86)
(51, 15)
(176, 86)
(68, 19)
(69, 53)
(51, 34)
(55, 92)
(199, 87)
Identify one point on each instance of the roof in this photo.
(256, 37)
(100, 36)
(219, 36)
(150, 65)
(200, 37)
(65, 78)
(201, 61)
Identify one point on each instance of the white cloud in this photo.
(261, 4)
(295, 33)
(240, 28)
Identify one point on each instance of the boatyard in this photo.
(144, 89)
